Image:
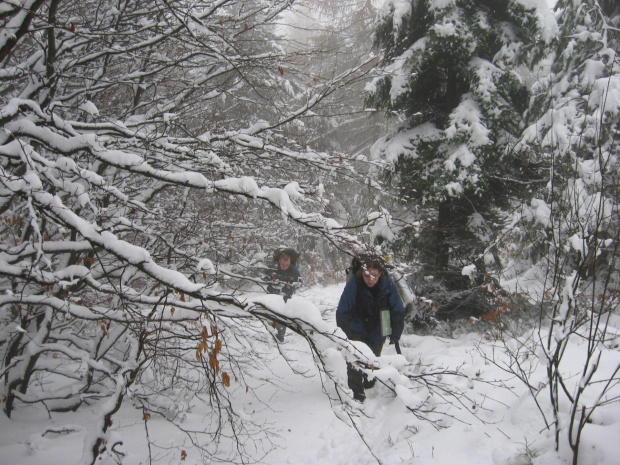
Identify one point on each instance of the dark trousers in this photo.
(281, 329)
(356, 378)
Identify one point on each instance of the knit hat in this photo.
(286, 251)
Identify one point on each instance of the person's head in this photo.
(371, 269)
(370, 275)
(284, 261)
(285, 257)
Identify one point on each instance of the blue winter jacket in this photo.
(359, 306)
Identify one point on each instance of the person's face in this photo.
(371, 276)
(285, 262)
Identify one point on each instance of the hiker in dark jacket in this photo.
(285, 277)
(369, 292)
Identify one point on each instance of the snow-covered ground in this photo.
(492, 421)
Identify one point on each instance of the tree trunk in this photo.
(442, 254)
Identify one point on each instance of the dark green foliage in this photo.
(441, 69)
(380, 98)
(611, 9)
(449, 76)
(413, 28)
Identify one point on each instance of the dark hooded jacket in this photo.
(281, 278)
(358, 310)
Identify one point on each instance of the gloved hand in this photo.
(393, 340)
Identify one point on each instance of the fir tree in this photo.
(449, 75)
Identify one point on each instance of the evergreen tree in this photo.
(449, 74)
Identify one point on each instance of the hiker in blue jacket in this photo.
(366, 296)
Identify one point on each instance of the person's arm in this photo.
(271, 275)
(346, 307)
(397, 312)
(296, 278)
